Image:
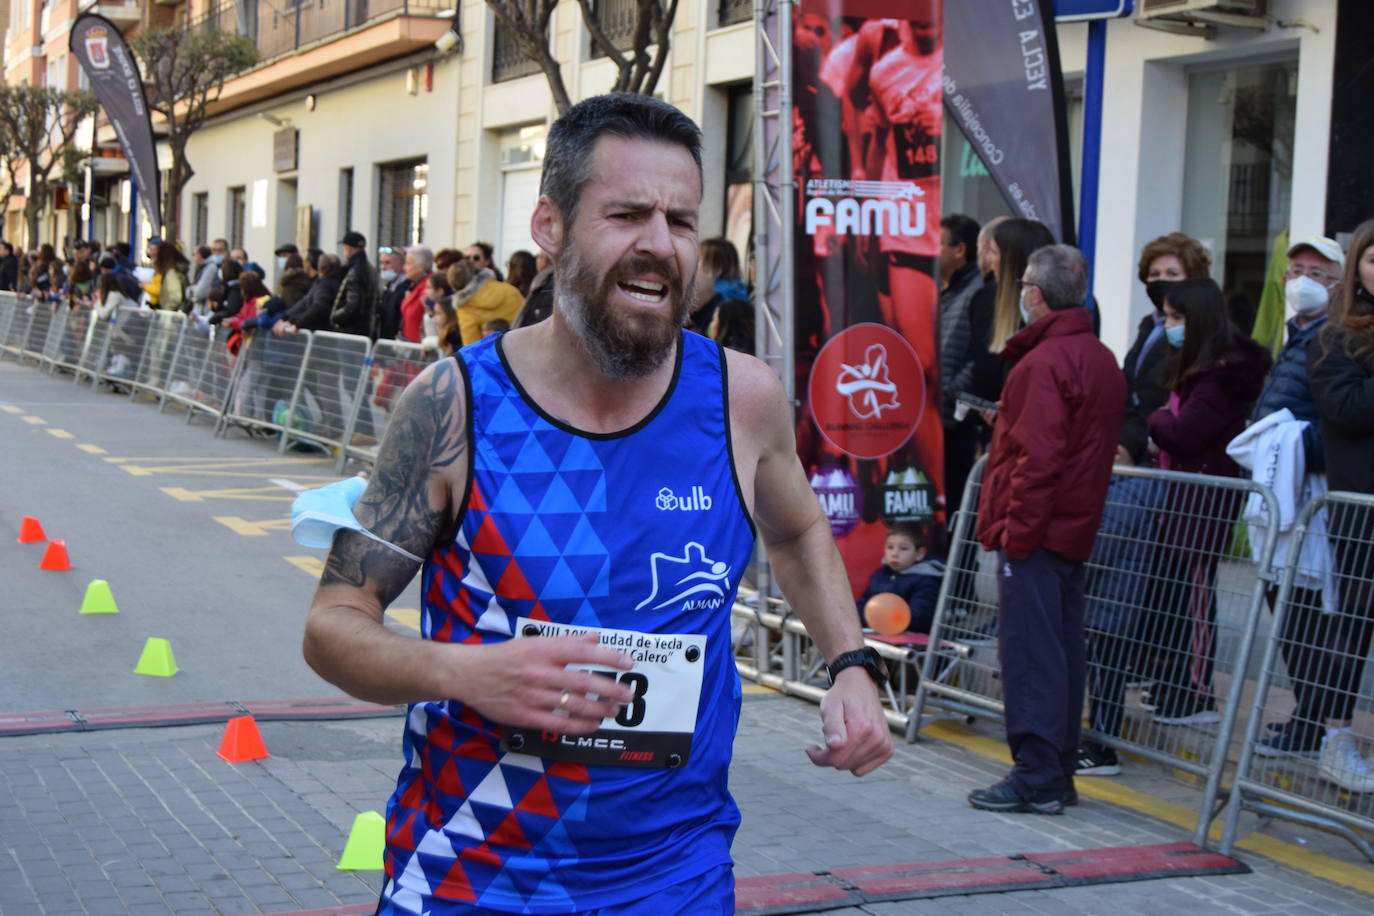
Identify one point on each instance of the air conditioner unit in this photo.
(1201, 17)
(1151, 9)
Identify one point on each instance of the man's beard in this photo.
(627, 346)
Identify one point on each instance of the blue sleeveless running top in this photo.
(642, 535)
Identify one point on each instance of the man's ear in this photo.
(546, 227)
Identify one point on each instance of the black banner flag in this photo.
(110, 66)
(1004, 87)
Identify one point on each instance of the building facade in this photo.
(357, 119)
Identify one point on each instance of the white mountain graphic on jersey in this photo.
(679, 578)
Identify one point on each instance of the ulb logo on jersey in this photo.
(692, 578)
(696, 501)
(97, 47)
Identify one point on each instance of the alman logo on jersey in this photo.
(693, 578)
(886, 208)
(867, 385)
(696, 501)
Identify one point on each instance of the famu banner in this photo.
(867, 91)
(110, 66)
(1004, 88)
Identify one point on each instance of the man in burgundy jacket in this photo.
(1042, 496)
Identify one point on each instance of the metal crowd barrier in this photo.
(394, 365)
(160, 334)
(265, 381)
(1171, 615)
(9, 310)
(68, 342)
(329, 385)
(1313, 674)
(36, 336)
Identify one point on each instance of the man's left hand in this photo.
(856, 733)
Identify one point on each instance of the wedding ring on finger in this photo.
(563, 699)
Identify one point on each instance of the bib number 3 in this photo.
(654, 729)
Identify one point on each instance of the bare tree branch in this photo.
(40, 122)
(185, 72)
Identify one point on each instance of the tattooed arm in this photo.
(412, 498)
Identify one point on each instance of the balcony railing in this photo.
(508, 62)
(734, 11)
(618, 21)
(282, 26)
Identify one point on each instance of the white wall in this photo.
(356, 126)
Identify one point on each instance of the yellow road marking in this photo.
(312, 565)
(36, 421)
(60, 433)
(758, 688)
(11, 408)
(139, 470)
(194, 496)
(253, 529)
(93, 449)
(223, 462)
(1314, 863)
(405, 616)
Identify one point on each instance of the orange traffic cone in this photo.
(55, 557)
(30, 530)
(242, 741)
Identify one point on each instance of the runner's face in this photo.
(629, 259)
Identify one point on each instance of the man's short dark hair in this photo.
(287, 248)
(963, 230)
(1060, 272)
(312, 257)
(628, 115)
(204, 251)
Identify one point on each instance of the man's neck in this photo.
(1305, 320)
(555, 369)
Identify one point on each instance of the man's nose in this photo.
(655, 238)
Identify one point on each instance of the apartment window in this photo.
(238, 215)
(508, 62)
(200, 219)
(403, 202)
(1238, 172)
(345, 200)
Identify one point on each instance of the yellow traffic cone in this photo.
(363, 851)
(99, 599)
(156, 659)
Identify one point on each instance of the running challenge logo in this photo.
(868, 386)
(867, 391)
(693, 578)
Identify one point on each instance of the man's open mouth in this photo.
(644, 290)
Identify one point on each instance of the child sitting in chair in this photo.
(908, 572)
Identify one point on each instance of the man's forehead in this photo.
(1311, 256)
(640, 162)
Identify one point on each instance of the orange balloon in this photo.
(887, 613)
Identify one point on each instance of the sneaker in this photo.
(1096, 760)
(1002, 797)
(1291, 739)
(1341, 763)
(1186, 713)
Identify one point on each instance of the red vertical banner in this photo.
(867, 115)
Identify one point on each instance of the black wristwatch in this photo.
(868, 657)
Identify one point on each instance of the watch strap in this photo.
(867, 658)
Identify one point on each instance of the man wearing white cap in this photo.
(1314, 269)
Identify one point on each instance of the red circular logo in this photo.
(867, 391)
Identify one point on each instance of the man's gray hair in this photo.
(1060, 272)
(423, 255)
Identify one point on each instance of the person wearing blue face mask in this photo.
(1213, 377)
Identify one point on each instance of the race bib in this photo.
(655, 727)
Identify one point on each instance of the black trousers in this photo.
(1041, 650)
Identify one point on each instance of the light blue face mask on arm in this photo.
(317, 515)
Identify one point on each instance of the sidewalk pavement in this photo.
(151, 821)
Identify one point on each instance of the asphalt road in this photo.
(190, 531)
